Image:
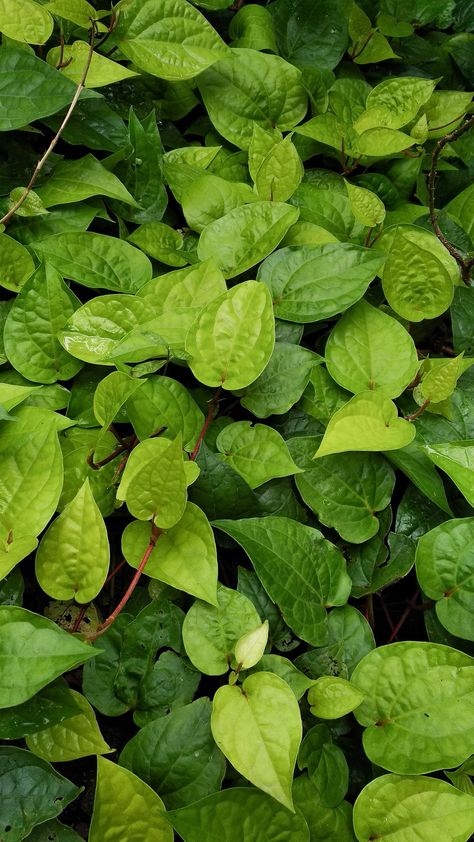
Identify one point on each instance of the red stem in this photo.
(209, 417)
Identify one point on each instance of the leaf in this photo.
(184, 557)
(283, 667)
(223, 816)
(51, 705)
(55, 830)
(252, 27)
(305, 39)
(96, 261)
(26, 642)
(126, 808)
(154, 482)
(41, 310)
(210, 632)
(250, 647)
(73, 181)
(233, 358)
(111, 394)
(161, 242)
(417, 711)
(72, 560)
(366, 206)
(77, 445)
(100, 672)
(171, 39)
(77, 11)
(369, 350)
(330, 209)
(252, 87)
(418, 274)
(245, 235)
(258, 453)
(414, 462)
(17, 263)
(31, 471)
(369, 421)
(381, 142)
(445, 573)
(312, 283)
(210, 197)
(282, 382)
(456, 459)
(176, 755)
(461, 209)
(33, 792)
(349, 639)
(219, 491)
(324, 822)
(171, 684)
(401, 807)
(164, 402)
(78, 736)
(326, 764)
(331, 697)
(267, 755)
(280, 172)
(299, 569)
(438, 382)
(102, 71)
(344, 491)
(26, 21)
(395, 102)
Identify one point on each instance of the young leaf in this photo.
(445, 572)
(210, 632)
(73, 557)
(366, 206)
(456, 459)
(417, 711)
(369, 421)
(301, 571)
(233, 358)
(209, 198)
(184, 557)
(267, 754)
(17, 264)
(331, 697)
(77, 736)
(401, 807)
(126, 808)
(101, 72)
(257, 453)
(26, 642)
(368, 349)
(251, 646)
(24, 20)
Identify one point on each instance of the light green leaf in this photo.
(397, 101)
(177, 756)
(444, 110)
(161, 242)
(31, 471)
(252, 26)
(154, 482)
(414, 462)
(78, 736)
(111, 394)
(267, 755)
(252, 87)
(79, 12)
(102, 71)
(344, 491)
(312, 283)
(77, 445)
(282, 381)
(164, 402)
(225, 817)
(403, 809)
(418, 711)
(178, 297)
(11, 394)
(233, 358)
(328, 208)
(308, 234)
(438, 379)
(301, 571)
(31, 206)
(369, 350)
(285, 668)
(24, 20)
(72, 181)
(96, 261)
(280, 172)
(211, 632)
(26, 643)
(126, 808)
(251, 646)
(445, 571)
(349, 639)
(169, 39)
(461, 208)
(379, 143)
(38, 313)
(325, 823)
(418, 274)
(97, 329)
(331, 697)
(14, 548)
(366, 206)
(209, 197)
(245, 235)
(456, 459)
(16, 262)
(369, 421)
(184, 557)
(258, 453)
(73, 557)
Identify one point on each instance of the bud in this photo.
(251, 646)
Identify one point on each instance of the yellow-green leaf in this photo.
(78, 736)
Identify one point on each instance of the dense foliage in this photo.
(237, 421)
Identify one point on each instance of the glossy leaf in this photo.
(25, 21)
(51, 705)
(286, 554)
(456, 459)
(416, 710)
(17, 263)
(164, 402)
(126, 808)
(331, 697)
(233, 358)
(78, 736)
(72, 181)
(257, 453)
(101, 72)
(274, 392)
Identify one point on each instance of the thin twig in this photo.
(39, 166)
(418, 412)
(209, 417)
(410, 607)
(465, 263)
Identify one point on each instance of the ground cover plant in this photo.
(236, 421)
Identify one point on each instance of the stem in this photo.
(110, 458)
(403, 618)
(114, 572)
(155, 534)
(418, 412)
(5, 219)
(209, 417)
(367, 239)
(359, 52)
(465, 263)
